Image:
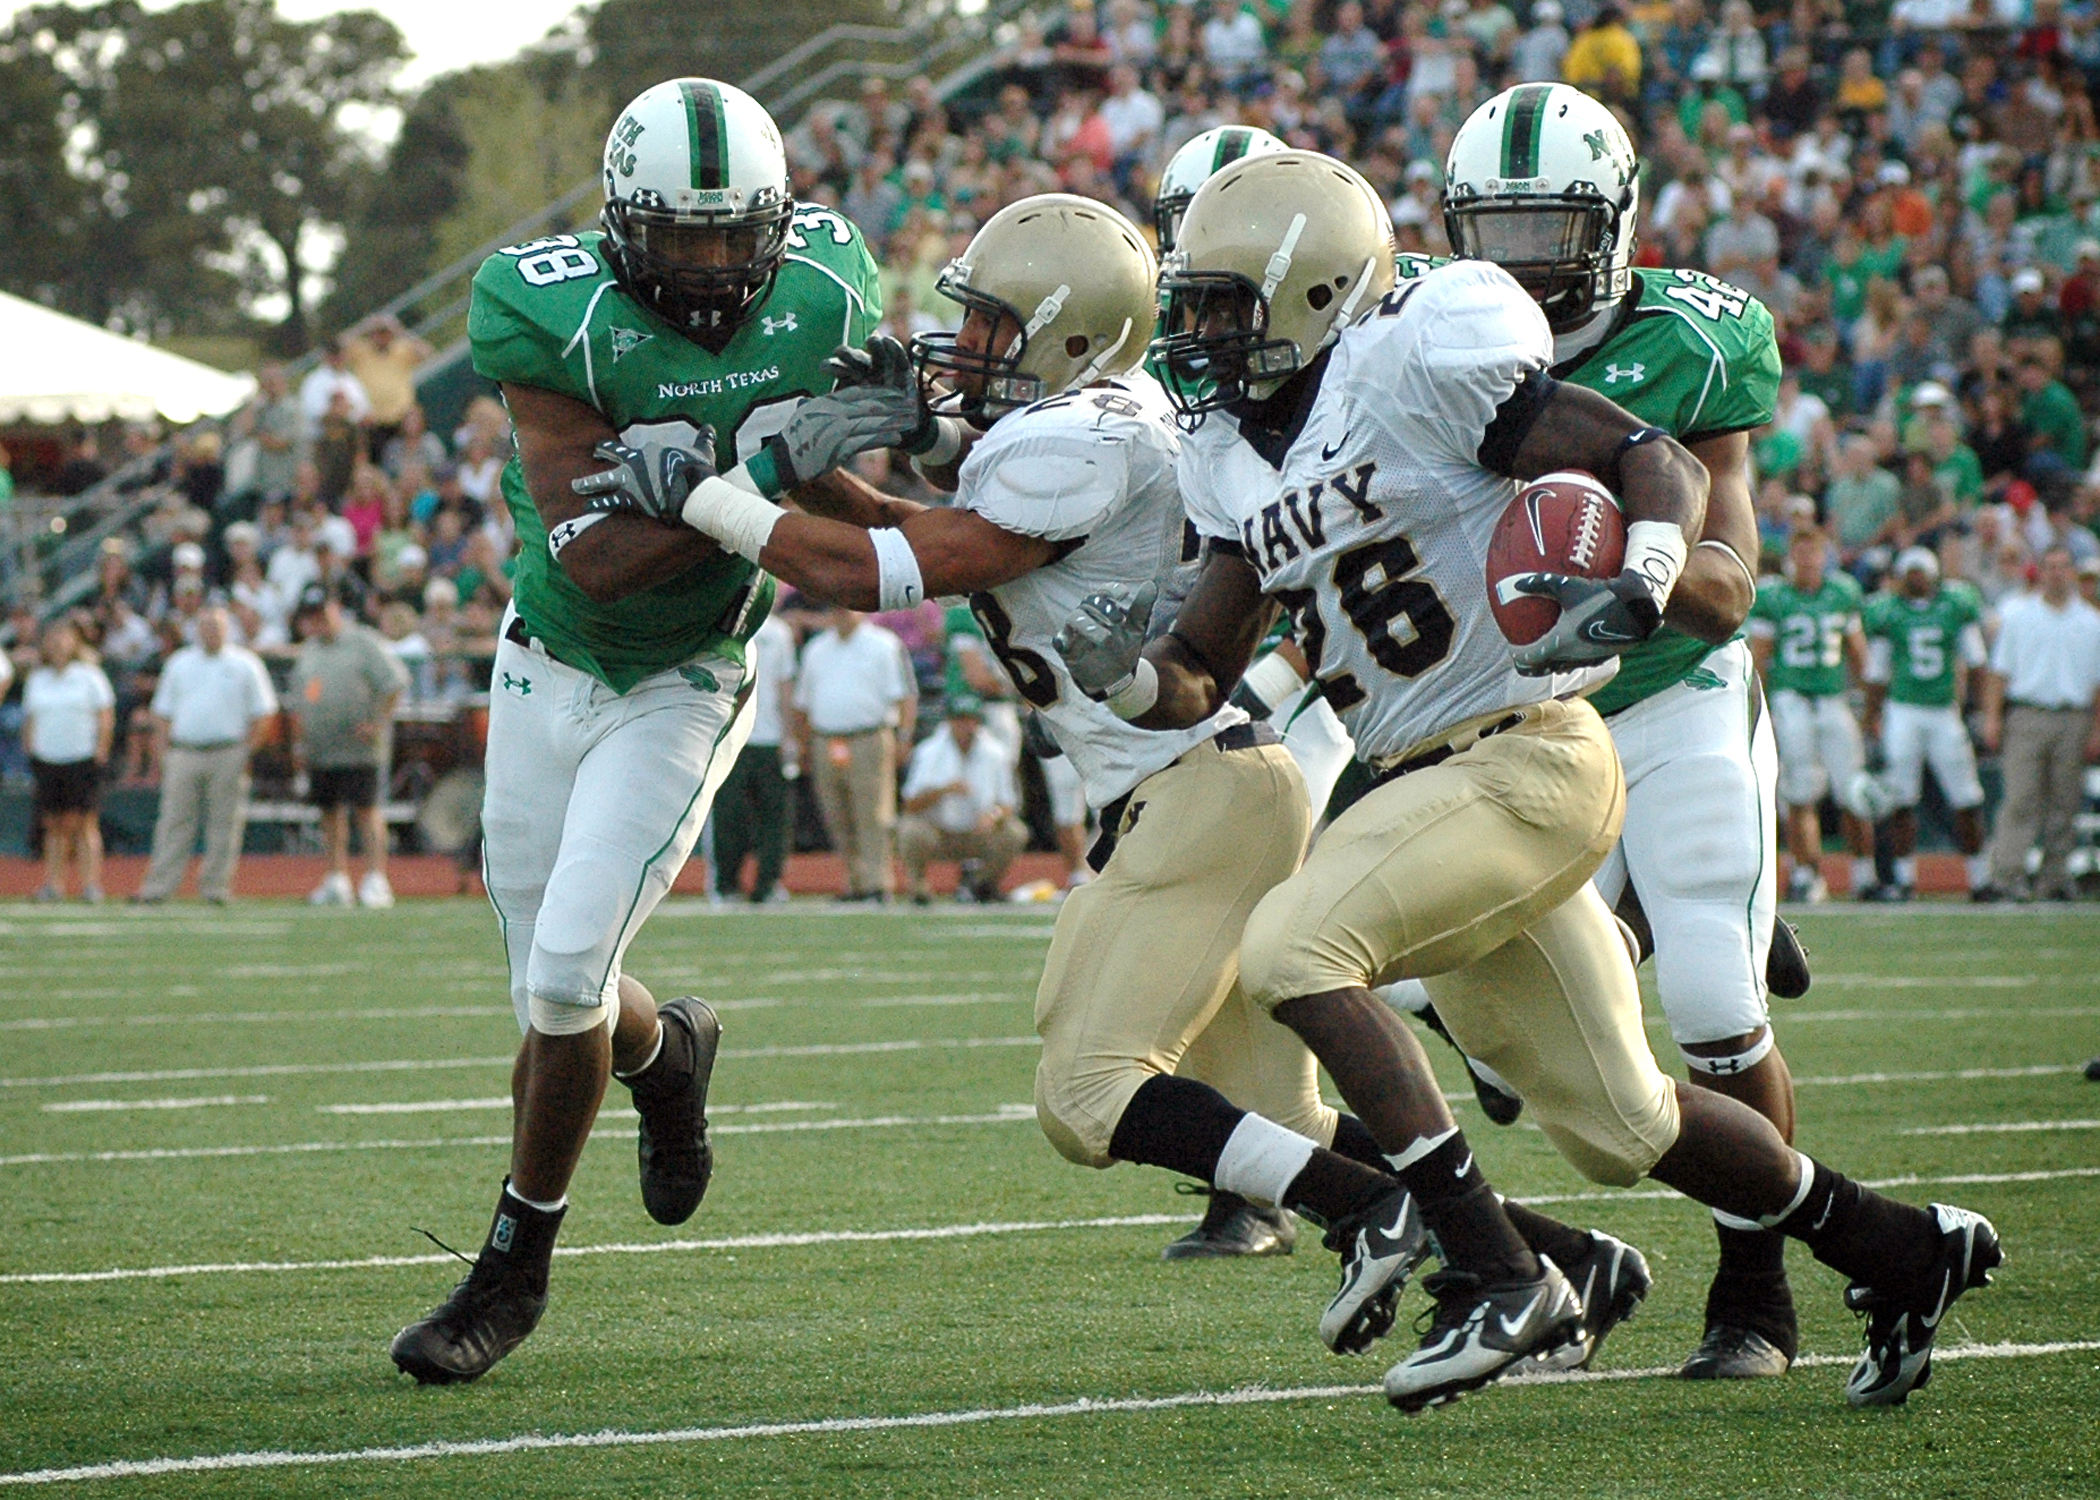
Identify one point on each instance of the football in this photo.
(1564, 522)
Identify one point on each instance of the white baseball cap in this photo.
(2028, 280)
(188, 555)
(1931, 393)
(1917, 560)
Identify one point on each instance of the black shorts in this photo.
(67, 786)
(342, 786)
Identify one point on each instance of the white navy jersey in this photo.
(1373, 531)
(1092, 470)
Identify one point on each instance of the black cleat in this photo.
(1900, 1331)
(1612, 1280)
(1477, 1332)
(1729, 1352)
(488, 1314)
(1786, 964)
(2092, 1071)
(1233, 1226)
(1380, 1248)
(1496, 1102)
(671, 1098)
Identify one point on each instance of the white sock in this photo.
(1807, 1169)
(1261, 1159)
(1862, 875)
(546, 1208)
(1979, 868)
(654, 1052)
(1907, 872)
(1410, 995)
(1422, 1146)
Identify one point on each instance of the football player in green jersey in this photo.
(1543, 181)
(691, 333)
(1805, 631)
(1924, 638)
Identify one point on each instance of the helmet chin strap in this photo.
(1100, 361)
(1045, 314)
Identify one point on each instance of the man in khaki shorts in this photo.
(1359, 466)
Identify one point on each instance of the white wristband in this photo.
(732, 515)
(1134, 698)
(565, 532)
(1656, 551)
(1273, 680)
(897, 581)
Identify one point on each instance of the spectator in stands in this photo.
(1605, 59)
(1133, 117)
(1535, 57)
(323, 384)
(1861, 507)
(69, 720)
(384, 357)
(751, 810)
(856, 700)
(213, 708)
(2039, 700)
(277, 433)
(344, 688)
(413, 446)
(2048, 410)
(1233, 44)
(959, 804)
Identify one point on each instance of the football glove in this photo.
(648, 477)
(1103, 639)
(884, 364)
(1599, 619)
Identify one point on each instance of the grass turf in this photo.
(905, 1037)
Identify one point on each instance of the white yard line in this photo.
(253, 1017)
(1006, 1114)
(108, 1106)
(1085, 1406)
(1851, 1080)
(866, 1236)
(2007, 1127)
(415, 1065)
(503, 1101)
(1937, 981)
(1959, 1013)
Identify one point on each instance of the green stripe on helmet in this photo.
(1522, 128)
(707, 140)
(1232, 145)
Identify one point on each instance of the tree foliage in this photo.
(214, 140)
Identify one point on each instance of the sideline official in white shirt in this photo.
(858, 701)
(959, 802)
(212, 708)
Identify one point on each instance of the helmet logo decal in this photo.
(619, 151)
(1599, 147)
(1280, 263)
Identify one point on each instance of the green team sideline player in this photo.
(1924, 637)
(1543, 181)
(1805, 629)
(685, 336)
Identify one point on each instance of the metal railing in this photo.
(953, 46)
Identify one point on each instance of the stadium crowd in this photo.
(1913, 191)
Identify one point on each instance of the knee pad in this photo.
(1732, 1063)
(564, 1018)
(1622, 1153)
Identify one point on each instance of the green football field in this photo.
(221, 1131)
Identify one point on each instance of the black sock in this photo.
(1750, 1288)
(1331, 1187)
(1857, 1232)
(1562, 1243)
(1353, 1139)
(669, 1069)
(520, 1243)
(1176, 1123)
(1472, 1231)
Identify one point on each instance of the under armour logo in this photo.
(627, 340)
(783, 324)
(1597, 144)
(522, 686)
(1614, 373)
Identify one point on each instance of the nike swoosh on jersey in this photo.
(1327, 454)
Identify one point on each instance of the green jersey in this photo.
(1699, 359)
(549, 314)
(1807, 631)
(1924, 639)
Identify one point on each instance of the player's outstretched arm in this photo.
(1719, 582)
(616, 555)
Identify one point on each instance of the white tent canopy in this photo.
(59, 369)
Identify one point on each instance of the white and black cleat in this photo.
(1898, 1358)
(1233, 1227)
(1611, 1280)
(1380, 1248)
(1478, 1331)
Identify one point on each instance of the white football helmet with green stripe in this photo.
(1542, 181)
(1202, 158)
(696, 205)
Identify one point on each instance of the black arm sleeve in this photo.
(1513, 419)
